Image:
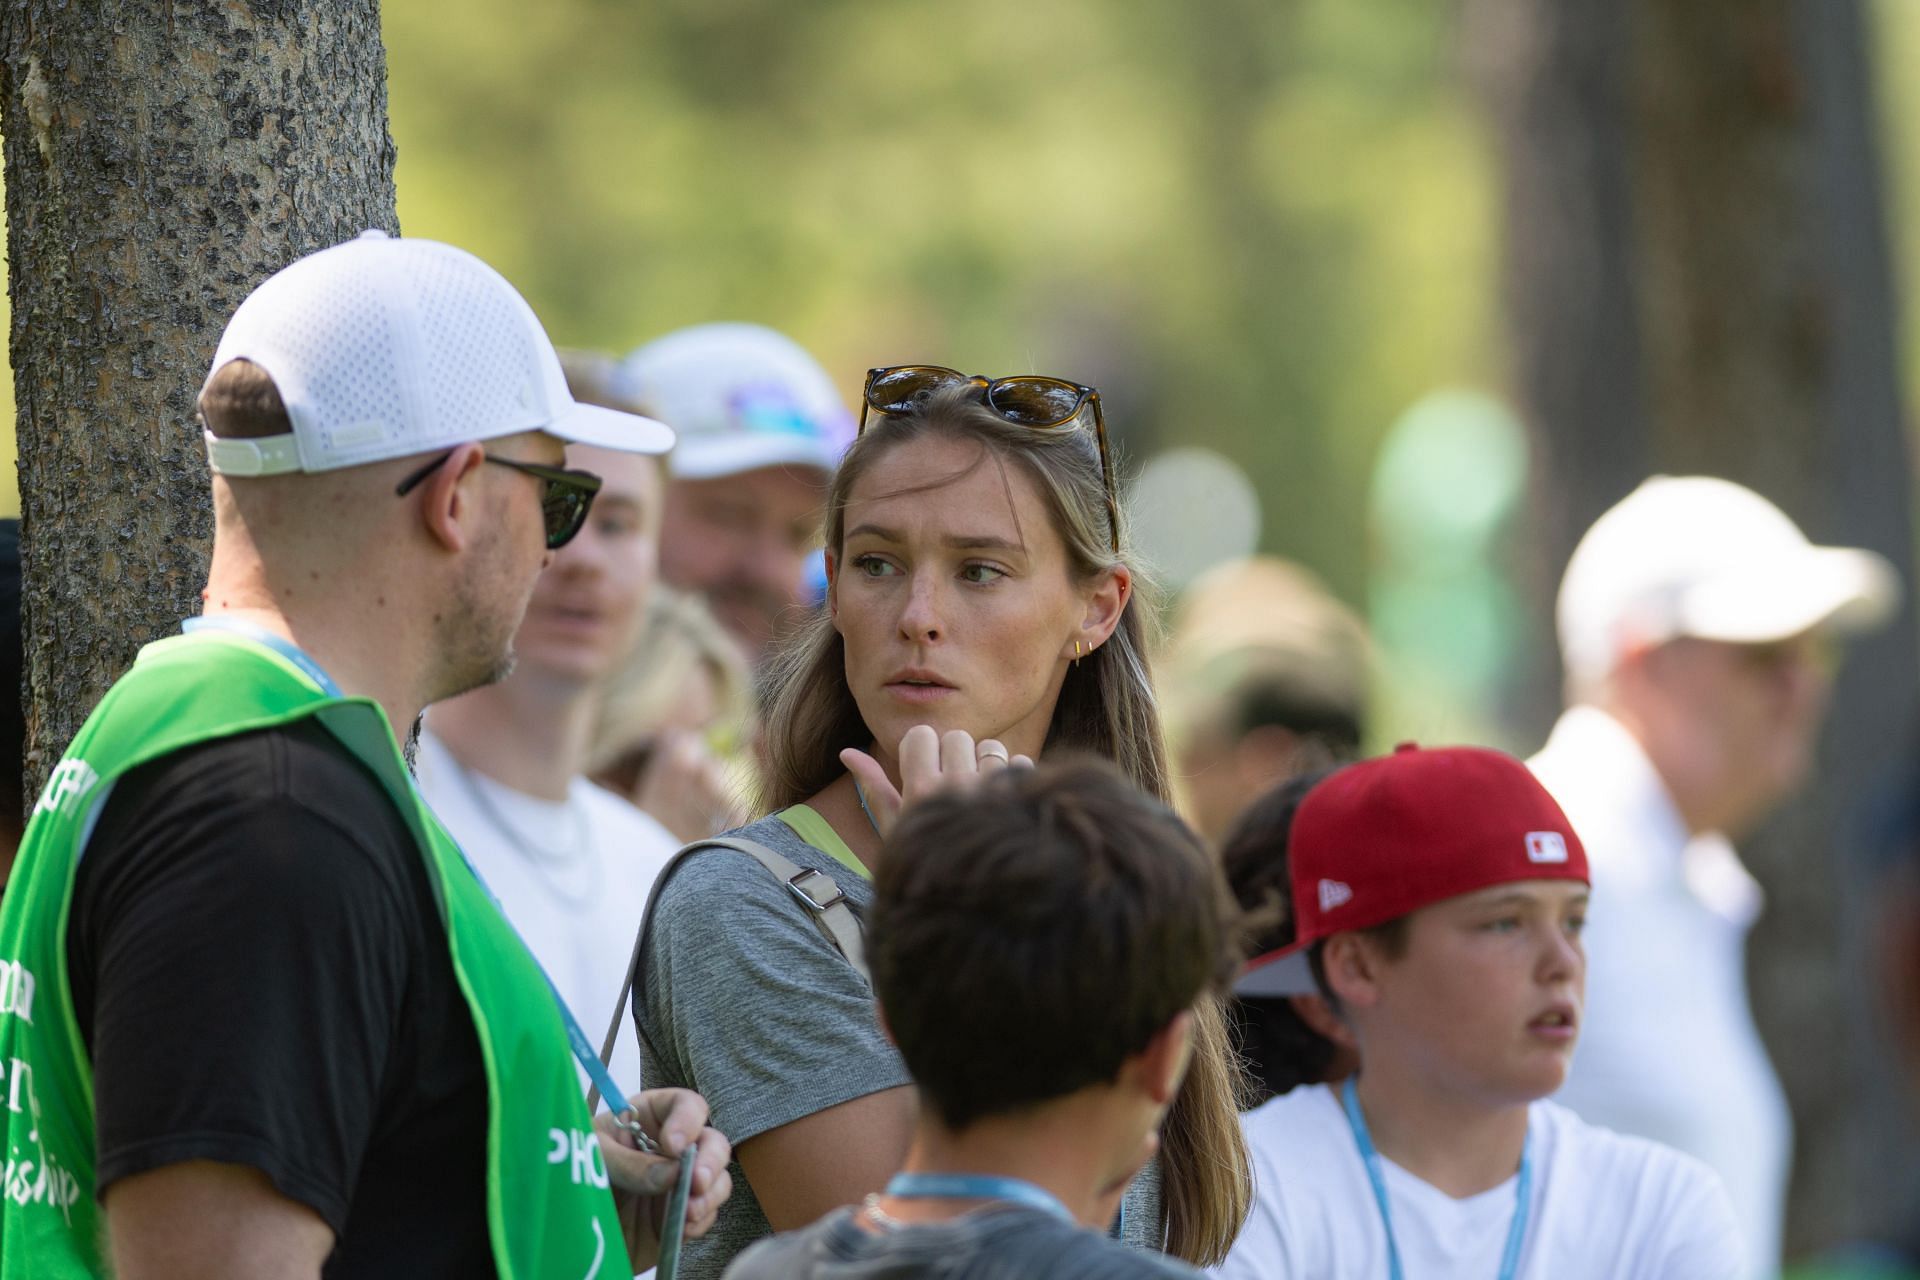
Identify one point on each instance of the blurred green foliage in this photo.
(1895, 50)
(1263, 227)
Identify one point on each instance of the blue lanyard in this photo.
(975, 1186)
(279, 644)
(583, 1049)
(1523, 1201)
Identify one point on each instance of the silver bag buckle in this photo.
(804, 886)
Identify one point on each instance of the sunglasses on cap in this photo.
(1026, 400)
(565, 496)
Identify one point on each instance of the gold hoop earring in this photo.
(1076, 653)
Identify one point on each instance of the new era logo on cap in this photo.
(1333, 894)
(1546, 846)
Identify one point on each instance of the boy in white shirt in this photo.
(1437, 903)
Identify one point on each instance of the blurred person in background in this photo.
(505, 765)
(760, 427)
(1038, 947)
(668, 735)
(1697, 627)
(13, 720)
(1438, 899)
(1287, 1040)
(981, 590)
(1265, 677)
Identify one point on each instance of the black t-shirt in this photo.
(262, 977)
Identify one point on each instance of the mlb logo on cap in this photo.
(1383, 838)
(1546, 846)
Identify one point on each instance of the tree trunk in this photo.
(1551, 75)
(161, 159)
(1752, 278)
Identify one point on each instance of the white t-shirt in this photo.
(1605, 1207)
(1668, 1048)
(573, 878)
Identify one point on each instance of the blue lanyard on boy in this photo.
(976, 1186)
(1523, 1200)
(583, 1049)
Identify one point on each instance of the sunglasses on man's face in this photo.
(1026, 400)
(565, 496)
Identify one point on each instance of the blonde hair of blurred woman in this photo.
(683, 691)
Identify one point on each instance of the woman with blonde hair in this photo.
(978, 591)
(675, 718)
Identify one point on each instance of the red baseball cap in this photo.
(1382, 838)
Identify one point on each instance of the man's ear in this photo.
(449, 509)
(1105, 604)
(1353, 970)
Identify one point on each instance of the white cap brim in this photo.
(1842, 588)
(1278, 973)
(609, 429)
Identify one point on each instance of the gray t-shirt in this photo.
(744, 1000)
(995, 1244)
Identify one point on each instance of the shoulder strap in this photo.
(826, 906)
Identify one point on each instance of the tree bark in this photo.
(1746, 312)
(161, 159)
(1551, 75)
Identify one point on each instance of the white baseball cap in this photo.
(1702, 557)
(739, 397)
(385, 347)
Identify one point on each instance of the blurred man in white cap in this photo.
(1696, 624)
(761, 427)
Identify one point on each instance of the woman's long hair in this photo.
(1106, 707)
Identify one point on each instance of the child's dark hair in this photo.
(1280, 1050)
(1028, 938)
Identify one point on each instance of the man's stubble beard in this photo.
(474, 664)
(475, 642)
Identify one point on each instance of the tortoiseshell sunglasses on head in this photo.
(1026, 400)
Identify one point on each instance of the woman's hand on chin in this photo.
(930, 763)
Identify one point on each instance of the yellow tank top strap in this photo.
(816, 831)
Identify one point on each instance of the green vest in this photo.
(549, 1212)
